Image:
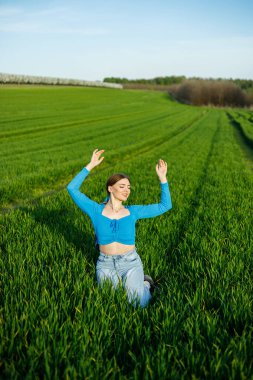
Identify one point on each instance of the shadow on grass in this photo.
(59, 222)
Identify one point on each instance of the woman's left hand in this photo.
(161, 170)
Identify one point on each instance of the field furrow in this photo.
(244, 128)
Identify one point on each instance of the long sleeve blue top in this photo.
(121, 230)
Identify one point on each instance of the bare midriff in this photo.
(115, 248)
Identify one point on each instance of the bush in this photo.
(210, 92)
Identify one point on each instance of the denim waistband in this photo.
(117, 255)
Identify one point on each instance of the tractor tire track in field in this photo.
(110, 130)
(172, 135)
(61, 126)
(147, 148)
(191, 212)
(35, 118)
(244, 142)
(136, 126)
(89, 132)
(248, 117)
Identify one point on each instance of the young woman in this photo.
(114, 226)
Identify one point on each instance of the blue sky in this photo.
(93, 39)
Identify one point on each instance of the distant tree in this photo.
(213, 92)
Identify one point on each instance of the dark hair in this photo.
(115, 178)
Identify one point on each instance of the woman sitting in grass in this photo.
(114, 226)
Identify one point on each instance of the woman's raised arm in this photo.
(152, 210)
(161, 170)
(80, 199)
(95, 159)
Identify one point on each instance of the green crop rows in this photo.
(55, 323)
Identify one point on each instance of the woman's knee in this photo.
(107, 275)
(136, 290)
(138, 298)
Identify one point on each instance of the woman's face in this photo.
(120, 189)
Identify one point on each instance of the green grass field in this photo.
(55, 323)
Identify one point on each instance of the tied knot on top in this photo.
(114, 225)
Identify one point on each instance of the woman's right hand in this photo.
(95, 159)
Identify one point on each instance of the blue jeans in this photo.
(126, 269)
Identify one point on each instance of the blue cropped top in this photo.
(121, 230)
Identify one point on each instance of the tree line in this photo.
(164, 81)
(197, 91)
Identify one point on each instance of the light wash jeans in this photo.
(126, 269)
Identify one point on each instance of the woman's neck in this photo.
(115, 204)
